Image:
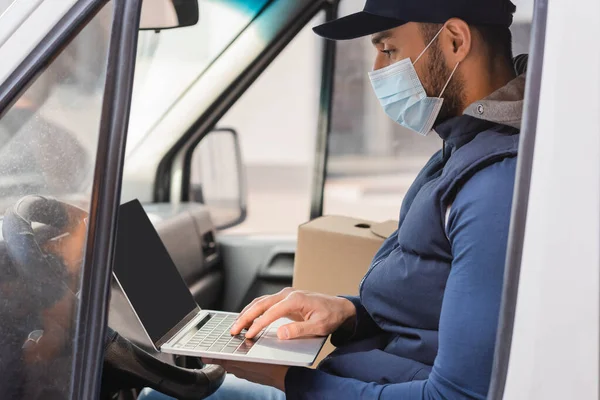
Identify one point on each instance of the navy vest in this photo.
(404, 288)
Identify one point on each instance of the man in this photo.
(424, 325)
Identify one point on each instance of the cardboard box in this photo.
(334, 254)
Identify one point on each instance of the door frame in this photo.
(325, 113)
(520, 202)
(92, 312)
(93, 308)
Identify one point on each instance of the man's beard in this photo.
(438, 74)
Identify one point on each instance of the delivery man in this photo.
(424, 325)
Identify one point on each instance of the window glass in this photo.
(170, 61)
(4, 4)
(23, 25)
(521, 28)
(48, 143)
(372, 160)
(277, 120)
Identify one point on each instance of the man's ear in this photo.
(457, 40)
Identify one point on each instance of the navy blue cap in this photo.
(381, 15)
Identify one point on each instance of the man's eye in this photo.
(388, 52)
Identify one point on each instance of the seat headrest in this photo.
(520, 63)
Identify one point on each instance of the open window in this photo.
(49, 141)
(372, 160)
(277, 135)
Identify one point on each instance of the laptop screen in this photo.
(147, 274)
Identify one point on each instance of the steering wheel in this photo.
(50, 281)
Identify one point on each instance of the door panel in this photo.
(255, 265)
(276, 274)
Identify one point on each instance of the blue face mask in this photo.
(402, 96)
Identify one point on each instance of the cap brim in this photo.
(356, 25)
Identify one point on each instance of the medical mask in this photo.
(402, 96)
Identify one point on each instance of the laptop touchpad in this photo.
(270, 344)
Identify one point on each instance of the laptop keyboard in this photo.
(214, 336)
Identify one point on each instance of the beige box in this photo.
(334, 254)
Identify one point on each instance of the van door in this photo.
(64, 105)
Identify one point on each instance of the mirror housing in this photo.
(217, 177)
(169, 14)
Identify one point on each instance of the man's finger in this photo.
(297, 330)
(276, 298)
(247, 318)
(279, 310)
(252, 303)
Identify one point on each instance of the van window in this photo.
(48, 146)
(48, 139)
(372, 160)
(277, 121)
(4, 4)
(170, 61)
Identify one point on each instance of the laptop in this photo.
(173, 321)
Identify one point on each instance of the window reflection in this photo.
(4, 4)
(48, 142)
(170, 61)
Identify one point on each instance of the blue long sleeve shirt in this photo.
(477, 230)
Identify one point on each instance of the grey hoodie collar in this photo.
(504, 106)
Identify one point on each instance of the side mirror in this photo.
(169, 14)
(217, 177)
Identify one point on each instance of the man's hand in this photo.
(315, 314)
(264, 374)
